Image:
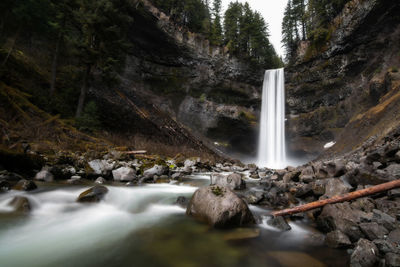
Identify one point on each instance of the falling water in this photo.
(271, 148)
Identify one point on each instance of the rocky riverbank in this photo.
(367, 228)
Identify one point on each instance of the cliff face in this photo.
(202, 87)
(349, 92)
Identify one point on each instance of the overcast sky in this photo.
(272, 10)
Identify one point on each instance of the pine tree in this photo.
(103, 27)
(216, 31)
(231, 26)
(24, 15)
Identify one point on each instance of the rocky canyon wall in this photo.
(349, 92)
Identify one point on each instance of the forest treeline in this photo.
(309, 20)
(240, 29)
(91, 37)
(90, 34)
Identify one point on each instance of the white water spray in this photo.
(271, 148)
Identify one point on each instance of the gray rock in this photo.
(335, 168)
(318, 187)
(397, 156)
(384, 219)
(101, 167)
(373, 230)
(393, 193)
(4, 186)
(391, 207)
(307, 174)
(337, 239)
(124, 174)
(291, 176)
(182, 201)
(392, 260)
(92, 195)
(340, 217)
(364, 204)
(364, 255)
(233, 181)
(335, 187)
(44, 175)
(394, 236)
(280, 223)
(254, 197)
(176, 175)
(393, 171)
(20, 204)
(100, 180)
(302, 190)
(155, 170)
(219, 207)
(190, 163)
(385, 246)
(25, 185)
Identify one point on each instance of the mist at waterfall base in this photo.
(272, 142)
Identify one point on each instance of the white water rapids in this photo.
(58, 228)
(272, 149)
(131, 226)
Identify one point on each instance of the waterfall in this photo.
(271, 148)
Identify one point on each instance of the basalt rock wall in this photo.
(213, 94)
(350, 91)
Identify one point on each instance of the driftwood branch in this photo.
(135, 152)
(338, 199)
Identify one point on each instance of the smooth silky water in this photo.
(140, 226)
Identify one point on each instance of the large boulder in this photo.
(364, 255)
(92, 195)
(233, 181)
(341, 217)
(124, 174)
(220, 207)
(44, 175)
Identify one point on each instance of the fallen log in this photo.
(338, 199)
(135, 152)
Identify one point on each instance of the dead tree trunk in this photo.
(55, 63)
(338, 199)
(84, 88)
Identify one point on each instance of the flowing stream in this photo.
(141, 226)
(271, 148)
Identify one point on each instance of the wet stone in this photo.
(280, 223)
(337, 239)
(20, 204)
(25, 185)
(92, 195)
